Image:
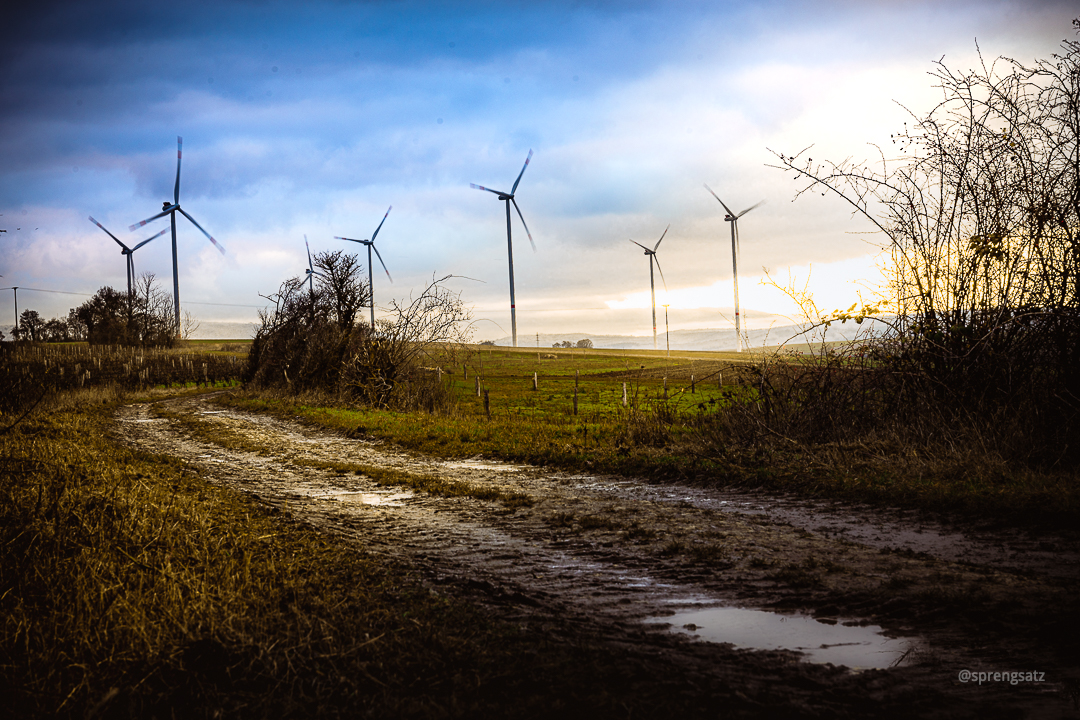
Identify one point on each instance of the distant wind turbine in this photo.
(311, 271)
(171, 209)
(129, 252)
(652, 284)
(733, 218)
(508, 197)
(371, 246)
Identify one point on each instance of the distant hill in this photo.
(705, 339)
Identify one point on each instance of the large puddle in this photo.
(824, 640)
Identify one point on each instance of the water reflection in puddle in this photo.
(384, 499)
(821, 642)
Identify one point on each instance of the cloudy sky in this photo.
(312, 118)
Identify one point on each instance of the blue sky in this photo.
(314, 118)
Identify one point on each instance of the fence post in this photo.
(692, 388)
(487, 405)
(665, 387)
(536, 385)
(624, 394)
(464, 371)
(477, 386)
(575, 399)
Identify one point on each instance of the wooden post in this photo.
(665, 387)
(624, 394)
(477, 386)
(487, 404)
(464, 371)
(720, 380)
(575, 399)
(692, 389)
(536, 384)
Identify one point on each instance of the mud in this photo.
(611, 558)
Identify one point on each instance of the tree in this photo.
(343, 283)
(109, 318)
(76, 329)
(584, 343)
(32, 325)
(56, 330)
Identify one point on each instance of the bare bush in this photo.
(307, 343)
(981, 217)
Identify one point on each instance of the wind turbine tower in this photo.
(733, 218)
(651, 253)
(508, 197)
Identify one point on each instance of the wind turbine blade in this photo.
(152, 237)
(749, 209)
(176, 190)
(481, 187)
(661, 238)
(109, 233)
(381, 260)
(523, 218)
(338, 237)
(381, 223)
(654, 257)
(514, 189)
(720, 201)
(311, 268)
(647, 250)
(208, 235)
(161, 214)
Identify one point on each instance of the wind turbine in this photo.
(129, 252)
(508, 197)
(733, 218)
(371, 246)
(652, 284)
(311, 271)
(171, 210)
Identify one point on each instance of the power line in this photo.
(186, 302)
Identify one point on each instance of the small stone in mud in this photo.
(690, 626)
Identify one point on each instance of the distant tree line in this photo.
(583, 343)
(110, 317)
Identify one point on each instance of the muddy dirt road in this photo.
(811, 607)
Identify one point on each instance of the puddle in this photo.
(357, 496)
(481, 465)
(857, 647)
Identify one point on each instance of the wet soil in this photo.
(609, 559)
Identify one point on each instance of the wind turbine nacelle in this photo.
(506, 197)
(728, 218)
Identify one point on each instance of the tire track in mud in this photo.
(598, 555)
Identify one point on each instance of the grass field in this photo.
(129, 585)
(684, 436)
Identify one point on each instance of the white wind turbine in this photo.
(371, 246)
(171, 209)
(652, 285)
(508, 197)
(733, 218)
(129, 252)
